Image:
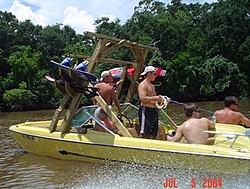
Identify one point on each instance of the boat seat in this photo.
(78, 130)
(82, 129)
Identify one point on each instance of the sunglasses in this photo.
(154, 73)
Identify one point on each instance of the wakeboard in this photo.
(86, 76)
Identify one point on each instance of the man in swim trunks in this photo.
(148, 113)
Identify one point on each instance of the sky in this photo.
(78, 14)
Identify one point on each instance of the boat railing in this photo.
(99, 123)
(230, 136)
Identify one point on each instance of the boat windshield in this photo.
(85, 114)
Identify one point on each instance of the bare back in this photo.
(193, 130)
(106, 91)
(229, 116)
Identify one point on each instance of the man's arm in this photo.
(177, 137)
(215, 113)
(244, 120)
(211, 125)
(116, 101)
(94, 100)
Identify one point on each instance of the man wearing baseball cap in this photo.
(148, 113)
(107, 92)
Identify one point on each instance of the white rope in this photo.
(163, 103)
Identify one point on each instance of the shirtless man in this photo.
(148, 113)
(107, 92)
(193, 129)
(229, 114)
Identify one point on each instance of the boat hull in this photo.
(99, 147)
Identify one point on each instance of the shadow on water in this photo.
(21, 170)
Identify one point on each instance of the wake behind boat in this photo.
(73, 137)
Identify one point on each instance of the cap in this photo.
(104, 74)
(148, 69)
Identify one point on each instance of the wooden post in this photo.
(70, 112)
(58, 112)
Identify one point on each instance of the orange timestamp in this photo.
(204, 182)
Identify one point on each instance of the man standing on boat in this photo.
(107, 92)
(230, 115)
(148, 113)
(193, 129)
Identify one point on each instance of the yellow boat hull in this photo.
(100, 147)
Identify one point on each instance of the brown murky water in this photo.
(21, 170)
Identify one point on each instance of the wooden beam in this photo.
(127, 43)
(58, 113)
(106, 60)
(123, 76)
(120, 62)
(69, 90)
(95, 58)
(70, 112)
(140, 56)
(113, 47)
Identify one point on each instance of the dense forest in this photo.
(205, 49)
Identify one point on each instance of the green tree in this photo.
(24, 65)
(19, 99)
(9, 25)
(220, 78)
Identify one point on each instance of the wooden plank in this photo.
(123, 76)
(58, 113)
(69, 90)
(111, 48)
(95, 58)
(70, 112)
(113, 39)
(106, 60)
(140, 59)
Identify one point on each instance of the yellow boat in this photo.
(73, 137)
(230, 153)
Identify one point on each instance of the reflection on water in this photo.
(21, 170)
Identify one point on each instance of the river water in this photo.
(19, 169)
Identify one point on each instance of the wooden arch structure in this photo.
(106, 45)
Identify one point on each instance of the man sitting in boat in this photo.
(230, 115)
(193, 129)
(107, 92)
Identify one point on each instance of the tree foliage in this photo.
(205, 49)
(19, 99)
